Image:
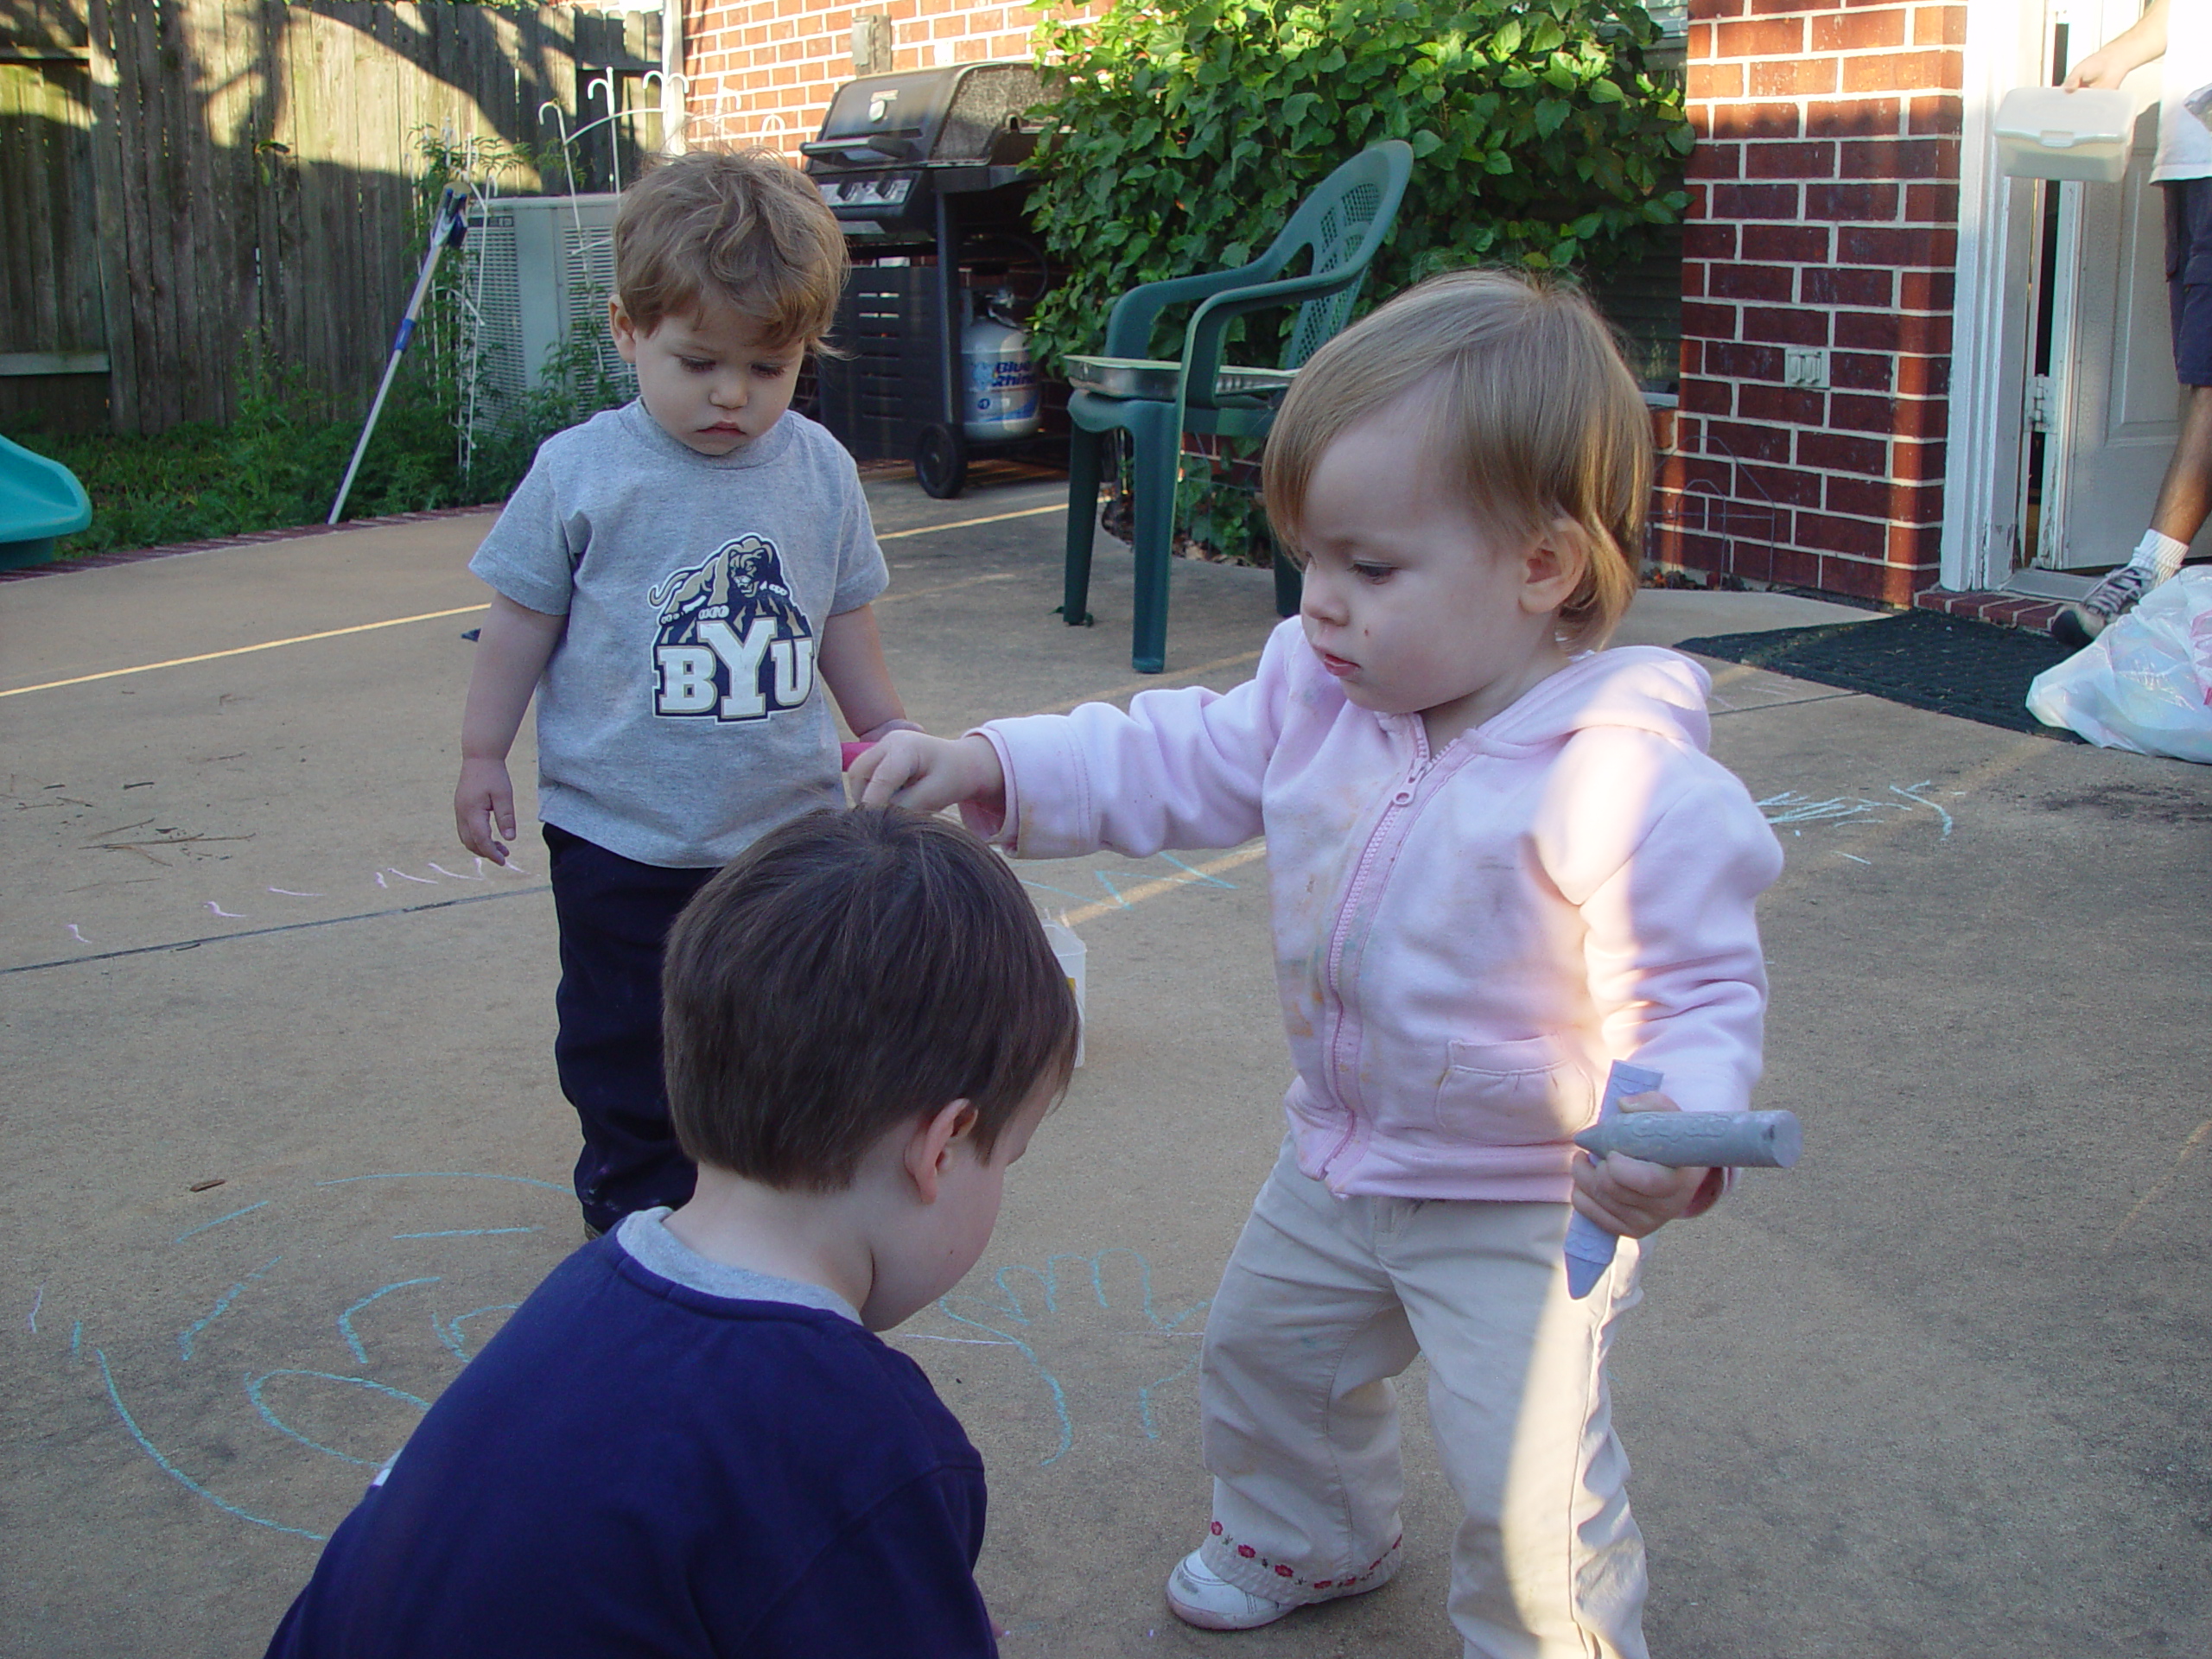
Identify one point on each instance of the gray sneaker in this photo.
(2080, 623)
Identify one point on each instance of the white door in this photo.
(2106, 408)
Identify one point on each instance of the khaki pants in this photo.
(1324, 1301)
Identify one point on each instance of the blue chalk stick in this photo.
(1589, 1247)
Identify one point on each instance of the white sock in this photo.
(2160, 555)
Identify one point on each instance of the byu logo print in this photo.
(733, 644)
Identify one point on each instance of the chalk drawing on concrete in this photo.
(328, 1373)
(1090, 1323)
(1795, 810)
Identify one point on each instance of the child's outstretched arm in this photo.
(927, 773)
(853, 668)
(511, 650)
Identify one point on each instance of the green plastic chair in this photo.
(1346, 219)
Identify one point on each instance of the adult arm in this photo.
(512, 651)
(2111, 63)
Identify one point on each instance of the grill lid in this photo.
(961, 113)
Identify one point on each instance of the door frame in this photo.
(1982, 458)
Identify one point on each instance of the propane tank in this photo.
(1001, 380)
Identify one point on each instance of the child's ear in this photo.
(1556, 561)
(624, 330)
(930, 1146)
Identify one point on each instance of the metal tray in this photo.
(1151, 377)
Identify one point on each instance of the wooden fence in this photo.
(181, 180)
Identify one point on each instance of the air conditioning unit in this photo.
(541, 270)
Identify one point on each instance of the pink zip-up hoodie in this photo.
(1464, 940)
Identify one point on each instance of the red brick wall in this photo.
(762, 71)
(1824, 214)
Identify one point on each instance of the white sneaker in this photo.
(1197, 1596)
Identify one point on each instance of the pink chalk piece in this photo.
(852, 752)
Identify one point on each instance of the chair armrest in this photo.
(1128, 326)
(1202, 338)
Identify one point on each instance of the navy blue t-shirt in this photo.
(633, 1466)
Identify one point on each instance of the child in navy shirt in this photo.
(687, 1441)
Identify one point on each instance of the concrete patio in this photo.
(283, 1139)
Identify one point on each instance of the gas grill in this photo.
(898, 154)
(925, 171)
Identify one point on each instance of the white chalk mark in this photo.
(514, 868)
(286, 892)
(1924, 801)
(228, 915)
(1792, 807)
(1854, 858)
(74, 934)
(35, 1301)
(380, 880)
(420, 880)
(456, 875)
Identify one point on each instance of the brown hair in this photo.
(742, 228)
(1533, 417)
(850, 972)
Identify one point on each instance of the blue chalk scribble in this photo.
(253, 1392)
(184, 1336)
(220, 1220)
(346, 1319)
(1021, 1326)
(177, 1474)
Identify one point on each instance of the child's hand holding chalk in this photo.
(1629, 1197)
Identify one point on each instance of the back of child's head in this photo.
(738, 228)
(1532, 417)
(851, 972)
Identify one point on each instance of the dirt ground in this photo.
(284, 1142)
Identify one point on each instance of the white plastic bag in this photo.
(2146, 683)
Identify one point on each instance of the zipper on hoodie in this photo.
(1401, 798)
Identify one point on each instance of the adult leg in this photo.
(2185, 492)
(1547, 1563)
(614, 916)
(1300, 1419)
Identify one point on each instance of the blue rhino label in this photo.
(733, 644)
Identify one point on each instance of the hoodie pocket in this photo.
(1513, 1095)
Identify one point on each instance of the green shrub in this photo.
(1187, 132)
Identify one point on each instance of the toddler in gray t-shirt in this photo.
(677, 580)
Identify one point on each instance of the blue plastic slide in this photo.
(40, 499)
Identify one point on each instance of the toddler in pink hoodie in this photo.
(1499, 859)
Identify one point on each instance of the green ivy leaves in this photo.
(1189, 130)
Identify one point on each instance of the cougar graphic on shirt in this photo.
(732, 644)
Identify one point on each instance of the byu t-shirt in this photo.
(680, 717)
(659, 1455)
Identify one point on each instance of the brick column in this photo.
(1823, 217)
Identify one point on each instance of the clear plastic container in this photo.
(2045, 133)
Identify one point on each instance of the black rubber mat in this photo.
(1973, 670)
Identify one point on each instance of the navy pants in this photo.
(614, 916)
